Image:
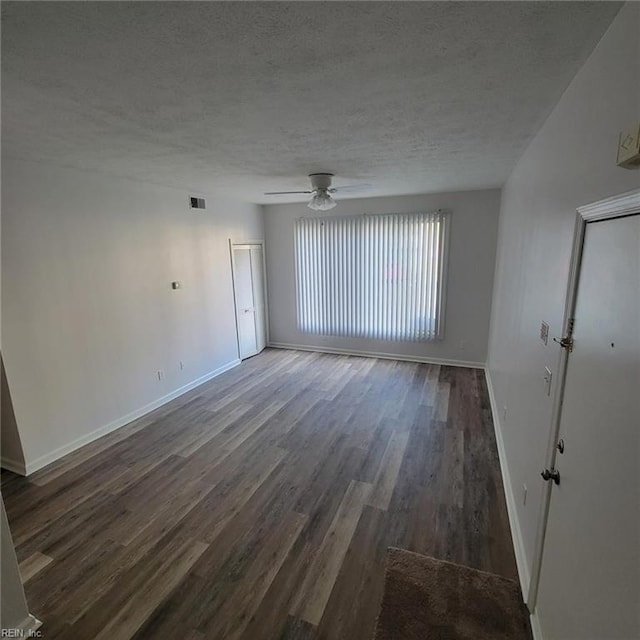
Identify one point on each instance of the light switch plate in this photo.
(547, 380)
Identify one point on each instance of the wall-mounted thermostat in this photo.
(629, 148)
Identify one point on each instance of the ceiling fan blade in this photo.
(351, 187)
(283, 193)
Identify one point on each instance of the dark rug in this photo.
(429, 599)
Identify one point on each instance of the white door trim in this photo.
(615, 207)
(247, 244)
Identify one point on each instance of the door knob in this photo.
(554, 475)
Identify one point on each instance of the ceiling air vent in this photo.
(196, 203)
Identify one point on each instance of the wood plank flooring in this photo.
(260, 505)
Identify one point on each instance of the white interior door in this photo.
(590, 579)
(248, 282)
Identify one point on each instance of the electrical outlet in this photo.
(544, 332)
(160, 374)
(524, 495)
(462, 345)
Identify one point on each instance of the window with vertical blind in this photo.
(372, 276)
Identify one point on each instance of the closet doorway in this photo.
(247, 264)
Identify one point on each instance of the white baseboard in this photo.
(375, 354)
(516, 533)
(27, 627)
(13, 465)
(536, 629)
(34, 465)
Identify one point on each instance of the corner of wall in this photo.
(14, 611)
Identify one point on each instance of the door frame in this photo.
(619, 206)
(247, 244)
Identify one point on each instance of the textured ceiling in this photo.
(247, 97)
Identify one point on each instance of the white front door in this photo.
(248, 282)
(590, 578)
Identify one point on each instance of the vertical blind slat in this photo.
(371, 276)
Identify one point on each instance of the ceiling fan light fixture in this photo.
(321, 200)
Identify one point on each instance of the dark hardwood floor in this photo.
(261, 504)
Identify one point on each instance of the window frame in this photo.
(443, 239)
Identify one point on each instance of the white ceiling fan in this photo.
(321, 191)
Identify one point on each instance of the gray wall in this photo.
(571, 162)
(13, 606)
(470, 275)
(9, 437)
(88, 314)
